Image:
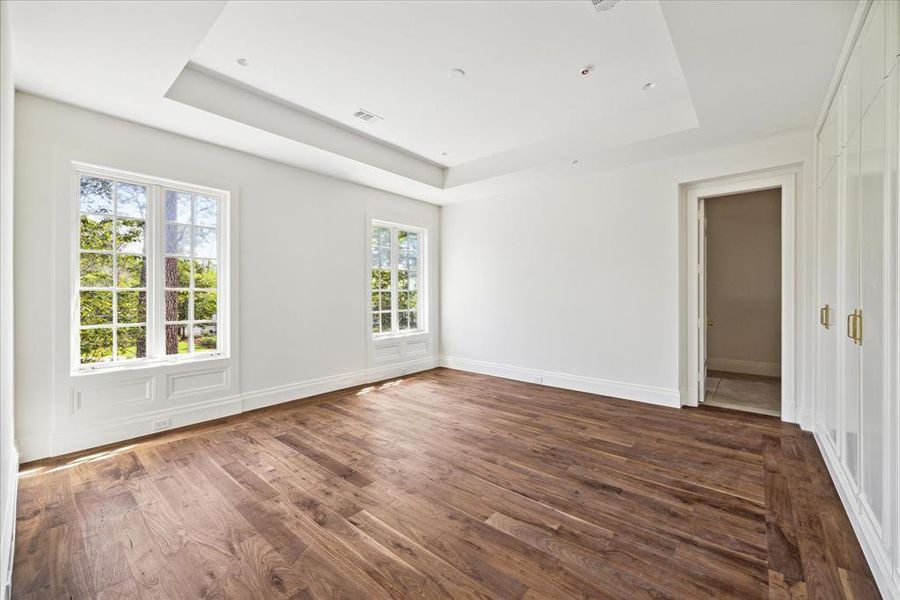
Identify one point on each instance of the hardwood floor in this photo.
(444, 485)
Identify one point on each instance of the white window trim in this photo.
(421, 307)
(154, 250)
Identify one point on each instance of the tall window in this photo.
(191, 273)
(148, 270)
(396, 284)
(112, 270)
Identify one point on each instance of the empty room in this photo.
(449, 299)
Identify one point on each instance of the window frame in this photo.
(421, 304)
(154, 251)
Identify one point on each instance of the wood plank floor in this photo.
(444, 485)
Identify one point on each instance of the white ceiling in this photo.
(522, 60)
(725, 72)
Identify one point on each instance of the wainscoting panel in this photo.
(180, 384)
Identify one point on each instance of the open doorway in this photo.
(693, 324)
(742, 280)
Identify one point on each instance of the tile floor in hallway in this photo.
(752, 393)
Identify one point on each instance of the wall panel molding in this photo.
(107, 431)
(184, 384)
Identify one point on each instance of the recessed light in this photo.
(243, 62)
(649, 86)
(456, 74)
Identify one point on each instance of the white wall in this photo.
(299, 282)
(577, 283)
(8, 456)
(743, 282)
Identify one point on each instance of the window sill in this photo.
(399, 335)
(162, 363)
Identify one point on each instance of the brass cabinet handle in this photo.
(854, 326)
(824, 314)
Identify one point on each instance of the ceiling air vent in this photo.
(601, 5)
(367, 116)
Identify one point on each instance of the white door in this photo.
(873, 220)
(849, 303)
(829, 324)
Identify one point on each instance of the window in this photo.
(396, 282)
(191, 273)
(148, 270)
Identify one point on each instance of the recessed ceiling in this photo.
(725, 72)
(523, 85)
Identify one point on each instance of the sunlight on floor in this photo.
(76, 461)
(386, 384)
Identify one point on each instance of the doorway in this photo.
(693, 324)
(742, 280)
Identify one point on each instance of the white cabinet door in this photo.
(829, 140)
(873, 216)
(848, 350)
(827, 336)
(874, 45)
(851, 90)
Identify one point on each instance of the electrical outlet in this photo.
(538, 379)
(160, 424)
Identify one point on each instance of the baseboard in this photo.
(400, 369)
(879, 560)
(747, 367)
(302, 389)
(313, 387)
(581, 383)
(43, 445)
(8, 524)
(64, 442)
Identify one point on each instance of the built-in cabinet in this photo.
(857, 417)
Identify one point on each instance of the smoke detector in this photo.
(601, 5)
(367, 116)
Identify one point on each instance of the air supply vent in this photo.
(601, 5)
(367, 116)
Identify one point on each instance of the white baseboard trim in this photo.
(581, 383)
(43, 445)
(748, 367)
(34, 446)
(63, 442)
(878, 559)
(313, 387)
(302, 389)
(9, 487)
(400, 369)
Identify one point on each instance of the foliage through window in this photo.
(138, 299)
(396, 280)
(191, 273)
